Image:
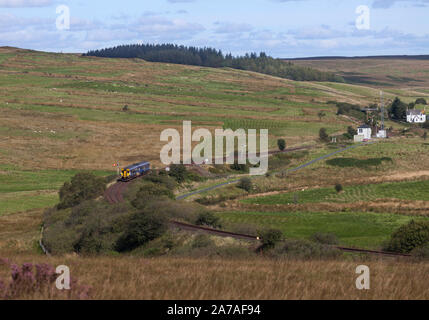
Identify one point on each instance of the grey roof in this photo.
(414, 112)
(364, 126)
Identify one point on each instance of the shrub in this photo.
(421, 252)
(351, 132)
(202, 241)
(338, 187)
(142, 228)
(321, 114)
(193, 176)
(325, 238)
(162, 179)
(323, 135)
(398, 109)
(83, 186)
(150, 191)
(178, 172)
(281, 143)
(245, 184)
(421, 101)
(208, 219)
(270, 238)
(239, 167)
(408, 237)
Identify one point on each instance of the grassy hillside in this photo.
(64, 113)
(409, 74)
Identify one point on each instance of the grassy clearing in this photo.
(22, 190)
(24, 201)
(14, 179)
(366, 230)
(417, 190)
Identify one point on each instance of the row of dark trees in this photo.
(209, 57)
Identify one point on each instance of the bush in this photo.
(323, 135)
(239, 167)
(281, 143)
(270, 238)
(398, 109)
(193, 176)
(408, 237)
(338, 187)
(208, 219)
(162, 179)
(83, 186)
(202, 241)
(142, 228)
(325, 238)
(178, 172)
(351, 132)
(421, 252)
(421, 101)
(245, 184)
(92, 227)
(150, 191)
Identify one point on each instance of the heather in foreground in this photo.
(260, 278)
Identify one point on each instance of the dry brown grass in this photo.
(167, 278)
(383, 71)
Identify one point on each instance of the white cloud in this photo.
(24, 3)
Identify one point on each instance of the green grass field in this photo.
(417, 190)
(22, 190)
(359, 229)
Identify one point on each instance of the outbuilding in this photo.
(365, 131)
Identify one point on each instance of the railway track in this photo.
(114, 194)
(221, 233)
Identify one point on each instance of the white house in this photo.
(416, 116)
(365, 131)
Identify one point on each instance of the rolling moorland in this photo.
(64, 113)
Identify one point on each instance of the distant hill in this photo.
(394, 57)
(210, 57)
(376, 71)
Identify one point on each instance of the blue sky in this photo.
(282, 28)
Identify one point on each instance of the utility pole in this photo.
(382, 110)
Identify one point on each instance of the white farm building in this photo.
(365, 131)
(416, 116)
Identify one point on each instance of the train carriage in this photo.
(134, 171)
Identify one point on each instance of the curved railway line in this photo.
(221, 233)
(114, 194)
